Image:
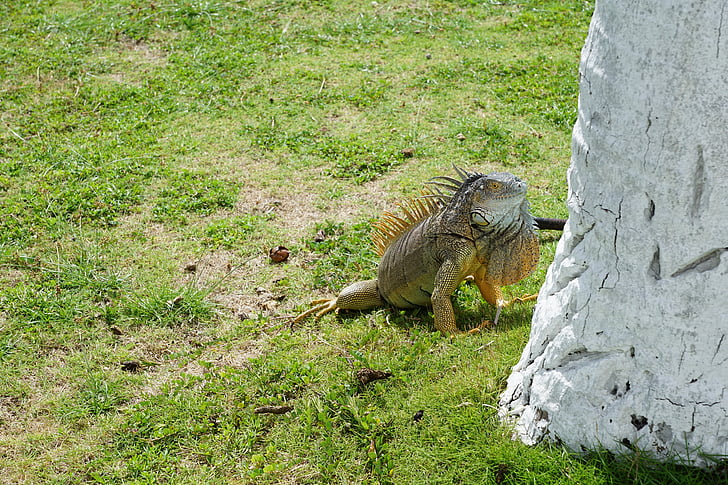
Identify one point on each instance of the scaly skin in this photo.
(484, 230)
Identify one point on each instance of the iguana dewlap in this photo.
(479, 226)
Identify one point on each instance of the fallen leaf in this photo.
(408, 152)
(279, 254)
(131, 366)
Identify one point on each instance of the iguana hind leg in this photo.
(362, 295)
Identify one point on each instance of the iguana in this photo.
(477, 227)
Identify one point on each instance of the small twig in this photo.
(273, 409)
(321, 88)
(232, 269)
(416, 124)
(482, 347)
(281, 317)
(326, 342)
(16, 134)
(286, 27)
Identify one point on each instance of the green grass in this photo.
(150, 155)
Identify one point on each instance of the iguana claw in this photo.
(483, 325)
(502, 304)
(321, 307)
(522, 299)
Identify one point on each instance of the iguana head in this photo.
(488, 202)
(495, 198)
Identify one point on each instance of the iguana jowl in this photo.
(478, 226)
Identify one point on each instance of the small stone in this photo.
(408, 152)
(191, 267)
(460, 136)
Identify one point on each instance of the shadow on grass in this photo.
(468, 315)
(637, 466)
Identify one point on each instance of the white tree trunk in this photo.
(629, 340)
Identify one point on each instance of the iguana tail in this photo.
(548, 223)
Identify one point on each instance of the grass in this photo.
(150, 155)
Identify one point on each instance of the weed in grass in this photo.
(194, 418)
(190, 192)
(169, 306)
(99, 394)
(40, 310)
(75, 186)
(8, 346)
(235, 232)
(345, 252)
(84, 269)
(356, 160)
(281, 380)
(369, 93)
(350, 157)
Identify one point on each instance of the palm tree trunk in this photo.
(629, 339)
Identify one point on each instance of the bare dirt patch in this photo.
(301, 206)
(247, 288)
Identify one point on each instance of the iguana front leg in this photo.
(362, 295)
(448, 277)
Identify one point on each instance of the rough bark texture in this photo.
(629, 340)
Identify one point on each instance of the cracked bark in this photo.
(627, 345)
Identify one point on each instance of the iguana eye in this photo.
(477, 218)
(493, 185)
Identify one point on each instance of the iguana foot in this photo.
(321, 308)
(483, 326)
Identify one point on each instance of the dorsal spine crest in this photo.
(432, 199)
(391, 226)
